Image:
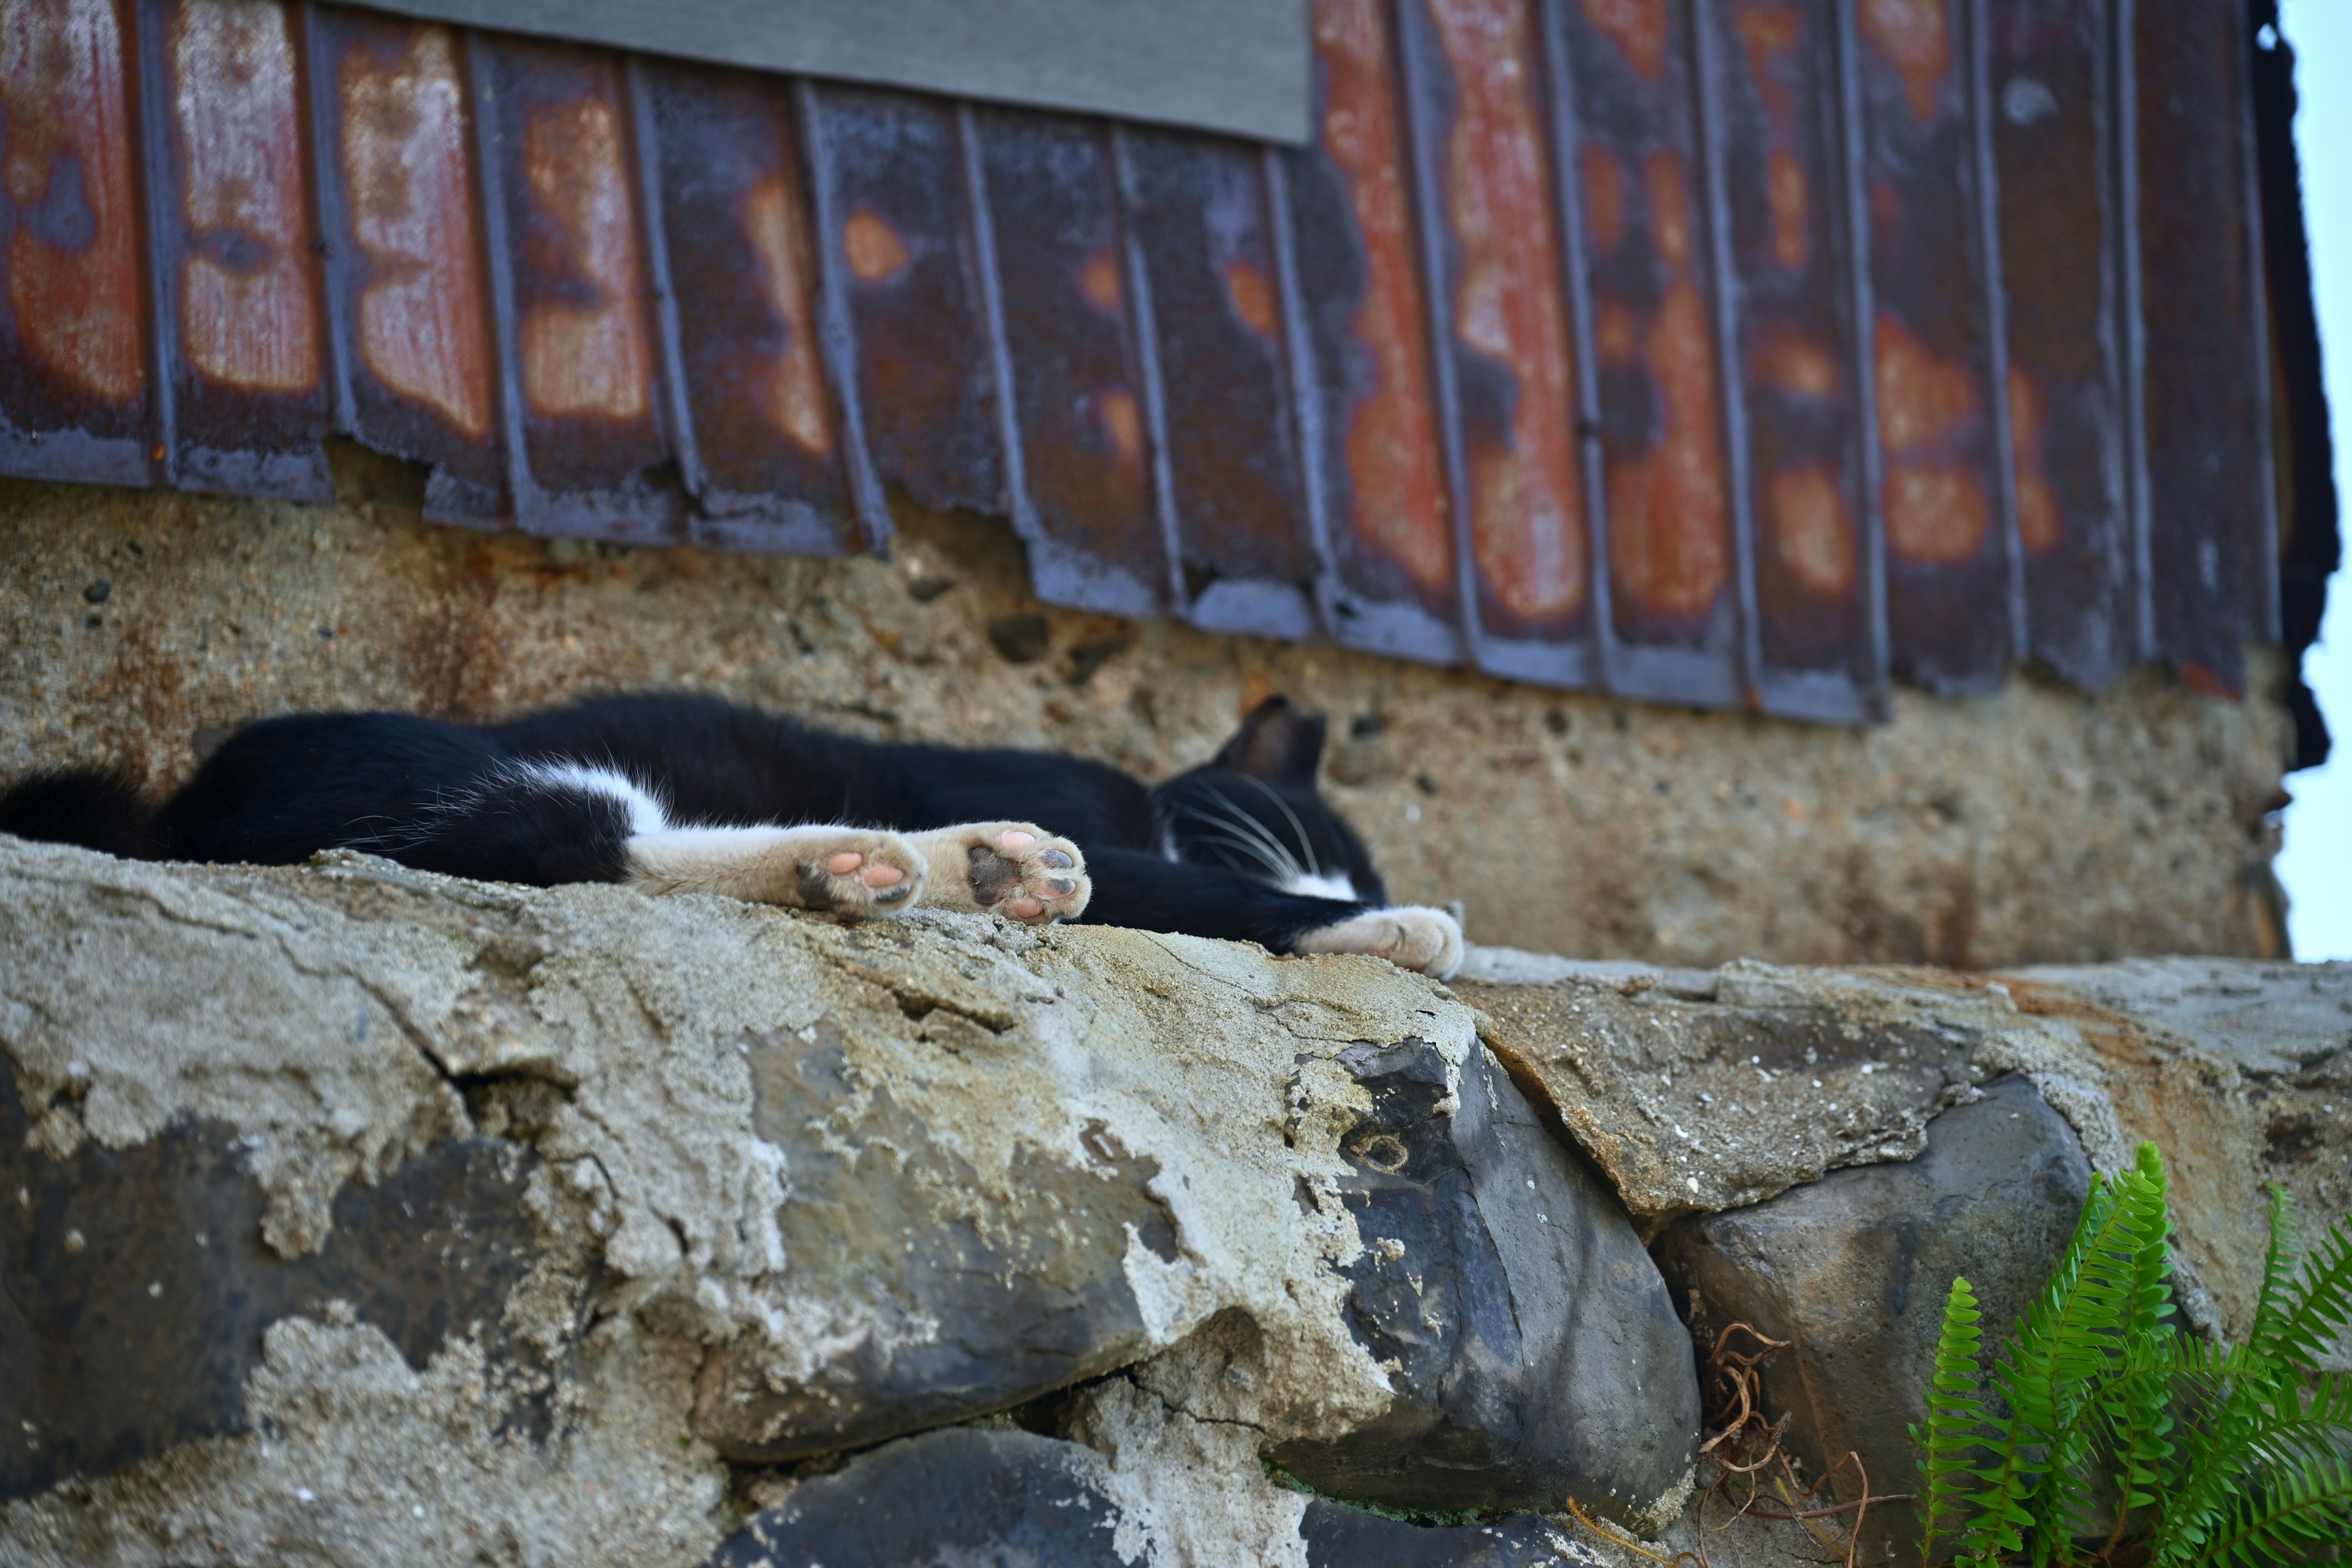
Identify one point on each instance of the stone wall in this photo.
(361, 1217)
(2036, 825)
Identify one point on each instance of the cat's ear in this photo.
(1277, 743)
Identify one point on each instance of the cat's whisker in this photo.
(1236, 817)
(1306, 841)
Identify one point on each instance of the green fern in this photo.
(2233, 1458)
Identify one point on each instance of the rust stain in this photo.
(246, 308)
(1790, 361)
(1605, 198)
(1936, 511)
(793, 399)
(2039, 521)
(69, 146)
(1916, 38)
(1391, 440)
(1768, 33)
(1099, 282)
(422, 322)
(588, 358)
(1636, 26)
(1251, 294)
(1788, 193)
(1922, 399)
(1616, 335)
(1122, 421)
(875, 253)
(1667, 546)
(1670, 207)
(1527, 527)
(1812, 533)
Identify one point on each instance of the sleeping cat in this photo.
(675, 794)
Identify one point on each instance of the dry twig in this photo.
(1744, 1444)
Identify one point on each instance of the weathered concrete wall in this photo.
(2038, 824)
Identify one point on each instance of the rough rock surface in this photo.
(2035, 825)
(1531, 1341)
(823, 1185)
(1852, 1271)
(1698, 1091)
(1015, 1497)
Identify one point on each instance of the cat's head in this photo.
(1253, 809)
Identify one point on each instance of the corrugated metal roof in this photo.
(1739, 353)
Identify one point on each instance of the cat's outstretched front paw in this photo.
(849, 870)
(1016, 869)
(1410, 937)
(868, 873)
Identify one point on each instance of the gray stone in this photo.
(1852, 1271)
(941, 1501)
(135, 1287)
(1534, 1349)
(1340, 1537)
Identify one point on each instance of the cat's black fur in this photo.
(1208, 853)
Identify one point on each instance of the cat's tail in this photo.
(99, 808)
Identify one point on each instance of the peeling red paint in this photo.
(1392, 439)
(65, 118)
(1916, 38)
(1528, 522)
(423, 324)
(590, 357)
(248, 314)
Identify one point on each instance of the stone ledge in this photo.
(369, 1216)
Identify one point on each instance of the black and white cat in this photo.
(675, 794)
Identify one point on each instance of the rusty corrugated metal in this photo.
(2209, 569)
(1200, 220)
(233, 250)
(1818, 646)
(2054, 99)
(1667, 482)
(1935, 344)
(74, 356)
(413, 364)
(1727, 352)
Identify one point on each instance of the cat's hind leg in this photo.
(1016, 869)
(846, 870)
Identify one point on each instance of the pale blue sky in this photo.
(2317, 865)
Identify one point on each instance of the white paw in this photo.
(1409, 936)
(860, 874)
(1016, 869)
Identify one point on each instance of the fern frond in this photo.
(2322, 1298)
(1955, 1411)
(2291, 1511)
(2054, 1367)
(2272, 1307)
